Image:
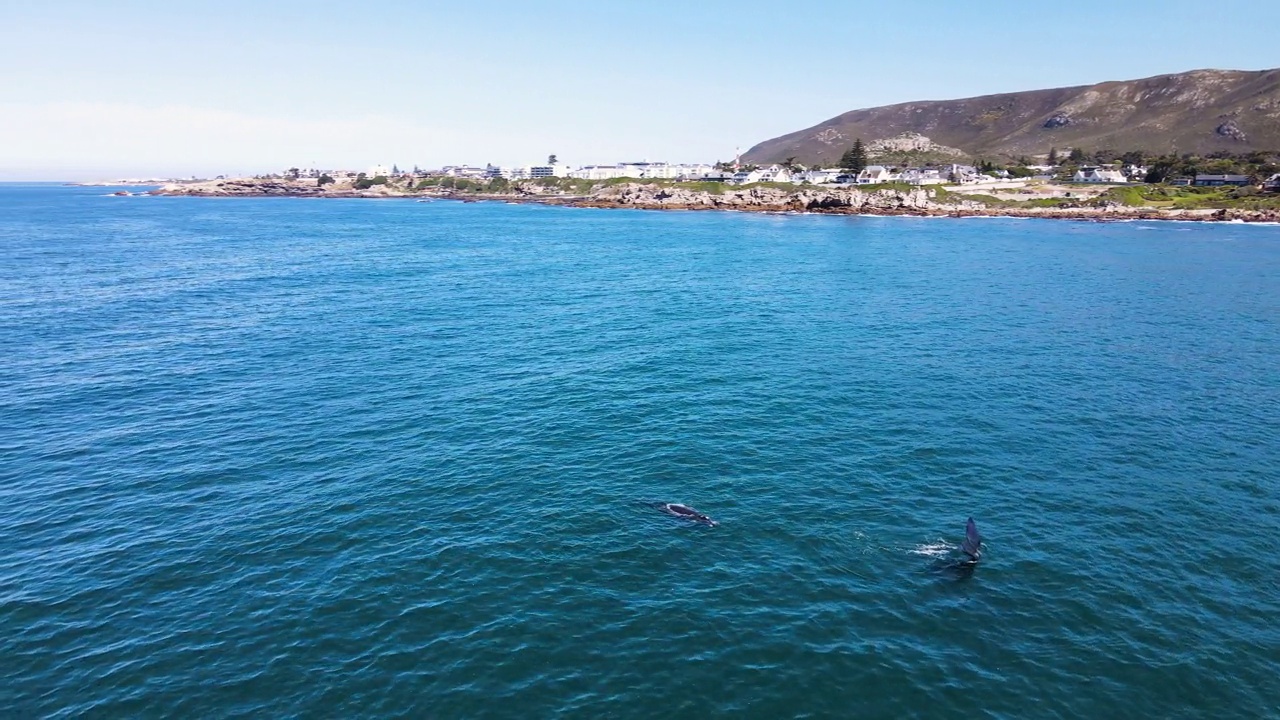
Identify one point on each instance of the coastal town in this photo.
(737, 173)
(1072, 185)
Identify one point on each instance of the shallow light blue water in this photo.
(356, 458)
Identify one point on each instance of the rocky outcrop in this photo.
(1057, 120)
(764, 198)
(256, 187)
(920, 201)
(908, 142)
(1229, 129)
(242, 188)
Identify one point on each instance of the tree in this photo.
(364, 183)
(855, 158)
(1077, 156)
(551, 159)
(1053, 156)
(324, 180)
(1161, 170)
(1133, 157)
(790, 163)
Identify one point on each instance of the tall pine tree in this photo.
(855, 158)
(1053, 156)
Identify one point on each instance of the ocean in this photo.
(375, 458)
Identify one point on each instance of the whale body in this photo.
(685, 512)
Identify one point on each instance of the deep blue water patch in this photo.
(264, 458)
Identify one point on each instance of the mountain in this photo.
(1200, 111)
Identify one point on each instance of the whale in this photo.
(960, 567)
(972, 544)
(685, 512)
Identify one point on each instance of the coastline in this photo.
(639, 195)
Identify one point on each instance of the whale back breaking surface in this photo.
(684, 511)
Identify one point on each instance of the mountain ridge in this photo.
(1198, 111)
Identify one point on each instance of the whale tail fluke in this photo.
(972, 545)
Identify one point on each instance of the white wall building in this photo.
(598, 172)
(773, 173)
(959, 173)
(642, 170)
(464, 171)
(1099, 175)
(817, 177)
(923, 176)
(873, 174)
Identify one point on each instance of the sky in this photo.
(99, 90)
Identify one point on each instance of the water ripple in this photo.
(272, 458)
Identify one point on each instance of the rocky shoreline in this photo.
(916, 202)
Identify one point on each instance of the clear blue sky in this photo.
(107, 89)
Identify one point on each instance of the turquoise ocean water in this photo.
(357, 458)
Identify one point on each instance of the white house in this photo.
(377, 170)
(464, 171)
(1091, 174)
(873, 174)
(923, 176)
(773, 173)
(692, 171)
(1135, 173)
(959, 173)
(654, 170)
(594, 172)
(604, 172)
(665, 170)
(817, 177)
